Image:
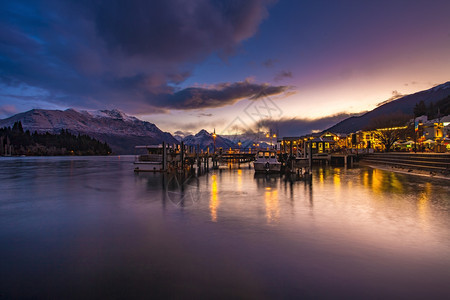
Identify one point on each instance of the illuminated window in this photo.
(327, 145)
(314, 145)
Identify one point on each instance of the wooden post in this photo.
(197, 157)
(310, 156)
(164, 157)
(304, 149)
(182, 155)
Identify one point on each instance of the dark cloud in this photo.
(116, 53)
(298, 127)
(216, 96)
(176, 30)
(282, 75)
(269, 63)
(395, 95)
(204, 115)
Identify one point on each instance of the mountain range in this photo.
(206, 140)
(403, 105)
(123, 132)
(120, 131)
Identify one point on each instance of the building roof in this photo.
(320, 139)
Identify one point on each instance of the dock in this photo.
(181, 158)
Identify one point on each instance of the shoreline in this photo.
(416, 172)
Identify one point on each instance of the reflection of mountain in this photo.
(205, 139)
(404, 105)
(120, 131)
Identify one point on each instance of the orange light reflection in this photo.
(214, 201)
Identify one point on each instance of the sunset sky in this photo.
(187, 65)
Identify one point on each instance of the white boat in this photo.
(266, 161)
(152, 161)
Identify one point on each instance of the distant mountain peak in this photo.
(114, 113)
(205, 140)
(202, 132)
(105, 113)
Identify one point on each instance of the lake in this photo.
(89, 227)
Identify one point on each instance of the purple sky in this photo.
(187, 65)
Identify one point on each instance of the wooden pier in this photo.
(187, 158)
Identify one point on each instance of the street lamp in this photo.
(214, 140)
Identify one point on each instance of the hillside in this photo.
(402, 105)
(120, 131)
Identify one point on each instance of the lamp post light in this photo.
(214, 140)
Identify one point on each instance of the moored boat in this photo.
(266, 161)
(152, 161)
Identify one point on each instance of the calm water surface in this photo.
(89, 227)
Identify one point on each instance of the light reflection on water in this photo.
(214, 202)
(76, 226)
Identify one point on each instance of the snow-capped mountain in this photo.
(120, 131)
(205, 139)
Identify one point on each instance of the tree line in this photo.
(433, 110)
(16, 141)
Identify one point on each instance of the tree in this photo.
(388, 129)
(17, 127)
(420, 109)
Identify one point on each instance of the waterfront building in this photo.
(293, 145)
(322, 145)
(434, 134)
